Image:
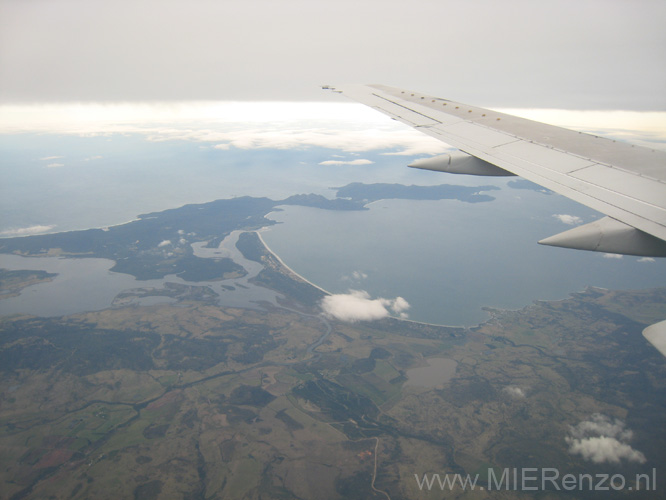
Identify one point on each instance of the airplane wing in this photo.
(625, 182)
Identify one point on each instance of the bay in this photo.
(450, 259)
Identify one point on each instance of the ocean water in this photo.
(450, 259)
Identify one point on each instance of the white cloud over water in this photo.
(570, 220)
(347, 162)
(603, 440)
(350, 138)
(358, 306)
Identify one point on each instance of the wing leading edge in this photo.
(627, 183)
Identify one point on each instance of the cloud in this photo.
(399, 306)
(348, 162)
(224, 125)
(26, 231)
(601, 440)
(55, 165)
(351, 137)
(164, 243)
(514, 391)
(47, 158)
(646, 259)
(612, 256)
(604, 449)
(91, 158)
(358, 306)
(350, 127)
(570, 220)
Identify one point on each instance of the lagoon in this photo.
(87, 284)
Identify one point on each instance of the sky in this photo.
(578, 54)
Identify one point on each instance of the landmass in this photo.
(12, 282)
(191, 399)
(159, 244)
(196, 401)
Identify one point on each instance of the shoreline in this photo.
(277, 257)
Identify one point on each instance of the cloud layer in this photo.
(342, 126)
(358, 306)
(345, 126)
(346, 162)
(602, 440)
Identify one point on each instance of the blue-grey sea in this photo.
(447, 258)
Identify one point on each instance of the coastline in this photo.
(277, 257)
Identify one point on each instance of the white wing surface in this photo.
(625, 182)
